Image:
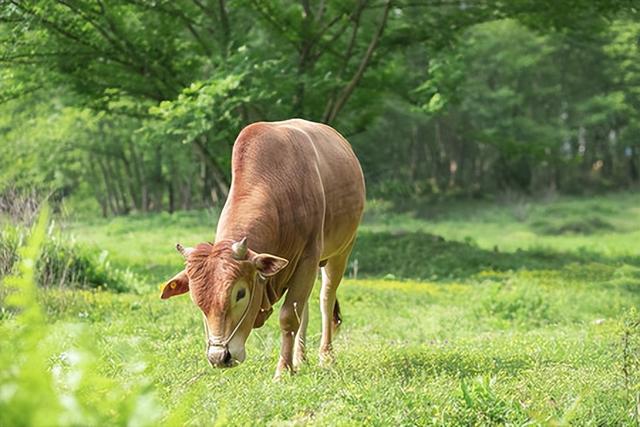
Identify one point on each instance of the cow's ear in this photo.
(268, 264)
(177, 285)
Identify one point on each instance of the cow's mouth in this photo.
(222, 357)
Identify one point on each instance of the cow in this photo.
(295, 202)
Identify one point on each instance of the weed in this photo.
(41, 385)
(483, 406)
(64, 263)
(525, 305)
(631, 362)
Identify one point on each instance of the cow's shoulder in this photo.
(253, 131)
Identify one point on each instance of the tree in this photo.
(163, 87)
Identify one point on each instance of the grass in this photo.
(564, 224)
(146, 243)
(536, 331)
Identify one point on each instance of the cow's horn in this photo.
(239, 249)
(184, 251)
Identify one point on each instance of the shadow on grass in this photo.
(585, 226)
(423, 256)
(437, 360)
(419, 255)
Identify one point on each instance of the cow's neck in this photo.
(251, 216)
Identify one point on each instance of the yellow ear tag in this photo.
(173, 285)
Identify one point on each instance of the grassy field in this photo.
(522, 315)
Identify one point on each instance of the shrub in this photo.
(10, 240)
(41, 385)
(64, 263)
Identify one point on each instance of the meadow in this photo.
(516, 312)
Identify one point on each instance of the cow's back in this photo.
(342, 185)
(294, 183)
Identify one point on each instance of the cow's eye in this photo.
(241, 293)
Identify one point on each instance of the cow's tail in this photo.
(337, 317)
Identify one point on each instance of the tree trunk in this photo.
(221, 184)
(131, 181)
(186, 193)
(117, 186)
(158, 189)
(172, 200)
(99, 195)
(138, 167)
(111, 199)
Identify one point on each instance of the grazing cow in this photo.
(296, 199)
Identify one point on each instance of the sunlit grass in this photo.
(527, 224)
(544, 349)
(145, 243)
(535, 338)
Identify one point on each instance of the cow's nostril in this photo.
(227, 358)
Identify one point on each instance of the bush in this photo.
(64, 263)
(10, 240)
(45, 380)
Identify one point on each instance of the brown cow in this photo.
(295, 202)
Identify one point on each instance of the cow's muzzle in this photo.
(220, 357)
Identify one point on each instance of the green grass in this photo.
(608, 225)
(487, 336)
(404, 353)
(146, 243)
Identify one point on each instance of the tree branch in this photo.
(226, 28)
(18, 95)
(346, 93)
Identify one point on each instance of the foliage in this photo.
(630, 362)
(511, 108)
(49, 375)
(136, 104)
(485, 406)
(198, 109)
(63, 263)
(10, 241)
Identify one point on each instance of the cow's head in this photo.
(225, 281)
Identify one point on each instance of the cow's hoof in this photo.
(327, 358)
(298, 363)
(283, 372)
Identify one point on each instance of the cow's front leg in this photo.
(291, 313)
(289, 324)
(301, 339)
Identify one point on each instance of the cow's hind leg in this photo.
(332, 274)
